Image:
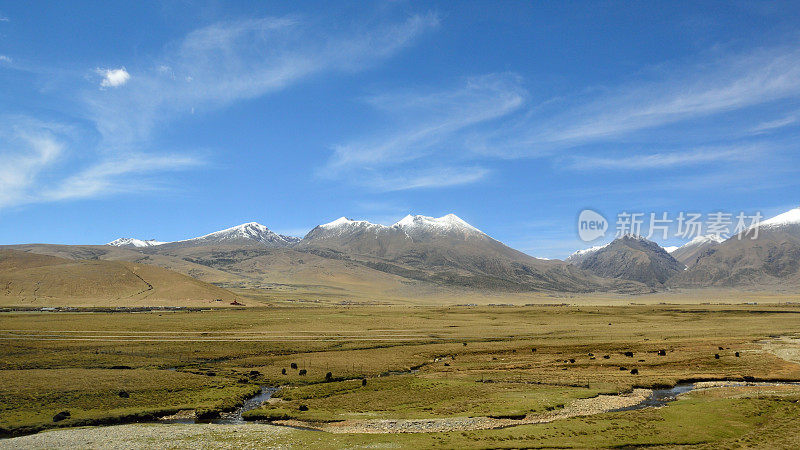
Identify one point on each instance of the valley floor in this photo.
(534, 376)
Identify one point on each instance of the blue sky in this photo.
(173, 120)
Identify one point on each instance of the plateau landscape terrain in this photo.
(427, 332)
(237, 224)
(418, 260)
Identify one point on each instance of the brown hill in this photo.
(689, 253)
(256, 271)
(772, 261)
(28, 279)
(284, 271)
(111, 253)
(632, 258)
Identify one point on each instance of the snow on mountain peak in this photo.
(405, 221)
(244, 230)
(790, 217)
(586, 252)
(250, 230)
(634, 236)
(344, 221)
(340, 221)
(449, 222)
(133, 242)
(343, 227)
(696, 242)
(704, 239)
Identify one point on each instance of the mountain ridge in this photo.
(689, 252)
(448, 250)
(239, 234)
(632, 258)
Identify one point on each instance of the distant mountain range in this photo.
(770, 261)
(449, 251)
(438, 251)
(251, 233)
(418, 254)
(135, 243)
(444, 250)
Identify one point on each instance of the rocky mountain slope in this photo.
(445, 250)
(688, 253)
(770, 261)
(632, 258)
(580, 255)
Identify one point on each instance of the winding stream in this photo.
(661, 397)
(235, 416)
(231, 417)
(656, 398)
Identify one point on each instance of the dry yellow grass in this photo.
(495, 373)
(28, 279)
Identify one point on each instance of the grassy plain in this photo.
(419, 362)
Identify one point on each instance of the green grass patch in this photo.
(30, 399)
(413, 396)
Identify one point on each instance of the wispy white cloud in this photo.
(4, 19)
(431, 122)
(5, 59)
(454, 123)
(667, 159)
(765, 127)
(25, 152)
(114, 176)
(727, 84)
(210, 68)
(217, 65)
(113, 77)
(37, 166)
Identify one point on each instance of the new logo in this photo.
(591, 225)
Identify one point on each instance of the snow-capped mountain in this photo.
(444, 250)
(250, 233)
(421, 227)
(366, 237)
(580, 255)
(791, 217)
(702, 240)
(355, 236)
(410, 225)
(134, 243)
(770, 260)
(344, 223)
(344, 226)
